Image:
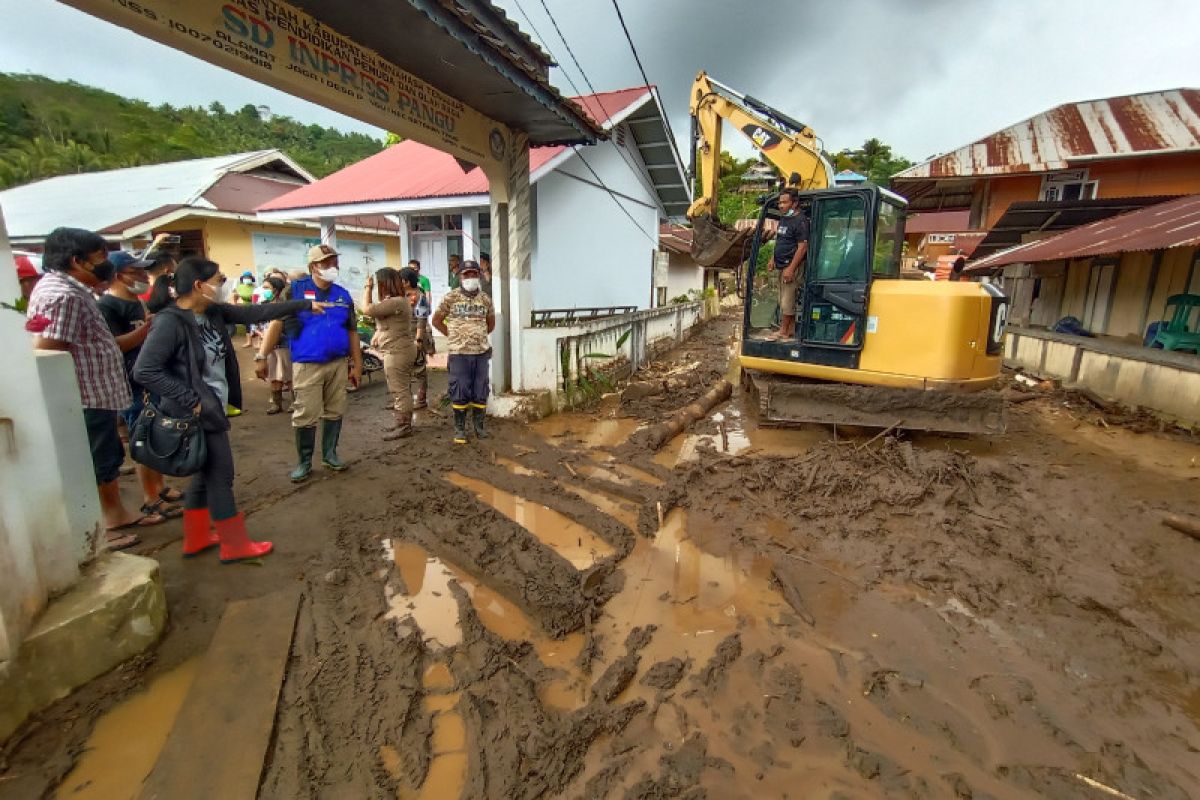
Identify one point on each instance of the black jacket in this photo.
(164, 367)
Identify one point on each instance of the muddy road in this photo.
(747, 613)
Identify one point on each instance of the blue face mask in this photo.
(268, 294)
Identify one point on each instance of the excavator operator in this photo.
(791, 247)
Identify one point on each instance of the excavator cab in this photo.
(855, 236)
(869, 349)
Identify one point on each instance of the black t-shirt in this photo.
(123, 316)
(792, 231)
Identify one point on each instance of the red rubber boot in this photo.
(198, 535)
(236, 544)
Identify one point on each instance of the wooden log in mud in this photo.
(665, 431)
(1183, 524)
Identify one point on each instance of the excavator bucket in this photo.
(712, 241)
(784, 402)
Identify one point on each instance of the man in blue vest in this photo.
(320, 345)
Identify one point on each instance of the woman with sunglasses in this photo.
(188, 360)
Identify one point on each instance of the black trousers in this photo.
(105, 441)
(212, 486)
(469, 380)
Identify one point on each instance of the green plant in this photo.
(584, 380)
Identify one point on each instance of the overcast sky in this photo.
(925, 76)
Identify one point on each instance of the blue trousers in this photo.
(469, 382)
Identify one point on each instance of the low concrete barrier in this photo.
(1163, 382)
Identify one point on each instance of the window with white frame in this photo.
(1068, 184)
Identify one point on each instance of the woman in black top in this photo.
(188, 360)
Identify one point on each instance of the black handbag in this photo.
(171, 445)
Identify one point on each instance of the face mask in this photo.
(248, 281)
(268, 295)
(329, 274)
(103, 271)
(219, 293)
(138, 287)
(470, 284)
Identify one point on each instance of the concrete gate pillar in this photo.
(512, 260)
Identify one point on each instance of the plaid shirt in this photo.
(75, 318)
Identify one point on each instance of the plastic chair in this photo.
(1173, 333)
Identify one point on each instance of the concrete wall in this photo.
(587, 252)
(683, 275)
(49, 510)
(1166, 383)
(653, 331)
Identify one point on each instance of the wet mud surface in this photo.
(747, 613)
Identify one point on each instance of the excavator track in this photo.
(783, 401)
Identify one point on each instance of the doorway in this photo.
(430, 249)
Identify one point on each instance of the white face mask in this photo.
(329, 274)
(139, 287)
(220, 293)
(470, 284)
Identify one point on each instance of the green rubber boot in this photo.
(460, 426)
(478, 414)
(331, 431)
(306, 443)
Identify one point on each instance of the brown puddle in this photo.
(568, 538)
(435, 611)
(593, 432)
(126, 741)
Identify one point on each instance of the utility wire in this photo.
(646, 80)
(570, 52)
(577, 150)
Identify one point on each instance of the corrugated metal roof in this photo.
(1175, 223)
(410, 170)
(99, 201)
(938, 222)
(1154, 122)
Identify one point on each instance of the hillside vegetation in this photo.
(50, 128)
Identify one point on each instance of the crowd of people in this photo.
(151, 335)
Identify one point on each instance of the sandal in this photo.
(163, 509)
(122, 542)
(143, 521)
(170, 495)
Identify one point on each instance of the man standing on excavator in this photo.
(791, 246)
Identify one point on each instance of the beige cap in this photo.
(320, 252)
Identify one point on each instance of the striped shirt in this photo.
(71, 315)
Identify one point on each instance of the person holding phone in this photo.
(320, 345)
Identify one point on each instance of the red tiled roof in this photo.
(1175, 223)
(410, 170)
(938, 222)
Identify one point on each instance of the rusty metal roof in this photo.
(1150, 123)
(1175, 223)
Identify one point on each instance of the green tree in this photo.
(874, 159)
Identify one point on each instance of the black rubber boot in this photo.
(460, 426)
(331, 430)
(478, 415)
(306, 443)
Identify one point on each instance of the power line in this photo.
(542, 39)
(570, 52)
(577, 150)
(646, 80)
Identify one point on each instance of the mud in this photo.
(749, 613)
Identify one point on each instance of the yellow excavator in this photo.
(868, 349)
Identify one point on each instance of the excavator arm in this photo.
(790, 145)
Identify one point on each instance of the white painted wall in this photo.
(683, 275)
(49, 510)
(587, 252)
(356, 258)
